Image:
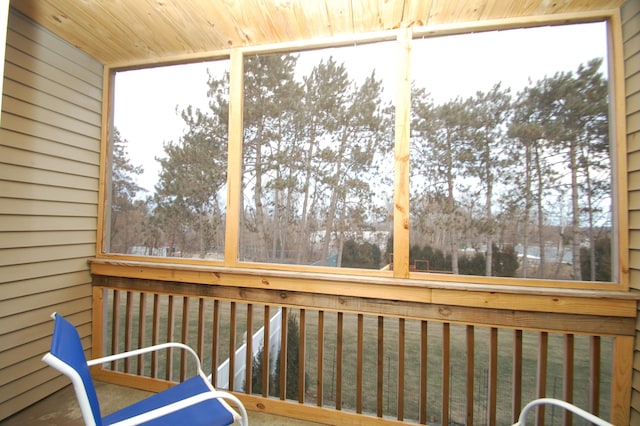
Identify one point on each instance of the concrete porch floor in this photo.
(61, 408)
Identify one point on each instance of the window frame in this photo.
(403, 37)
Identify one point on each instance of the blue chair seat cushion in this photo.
(210, 412)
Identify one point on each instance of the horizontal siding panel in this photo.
(39, 300)
(633, 102)
(57, 59)
(17, 289)
(634, 259)
(25, 27)
(49, 148)
(633, 122)
(47, 269)
(45, 238)
(11, 206)
(634, 180)
(46, 223)
(30, 95)
(48, 178)
(634, 200)
(23, 60)
(633, 84)
(34, 160)
(17, 371)
(44, 131)
(36, 347)
(634, 239)
(44, 192)
(30, 255)
(633, 160)
(634, 278)
(633, 142)
(19, 402)
(634, 217)
(52, 118)
(36, 316)
(631, 47)
(15, 73)
(629, 9)
(631, 26)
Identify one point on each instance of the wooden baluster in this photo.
(170, 320)
(446, 371)
(516, 403)
(115, 326)
(301, 355)
(470, 334)
(493, 376)
(568, 364)
(401, 352)
(248, 359)
(142, 320)
(423, 371)
(128, 329)
(200, 336)
(155, 333)
(380, 375)
(232, 346)
(215, 334)
(543, 360)
(265, 352)
(319, 380)
(283, 354)
(184, 332)
(339, 350)
(595, 364)
(359, 362)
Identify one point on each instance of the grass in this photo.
(457, 371)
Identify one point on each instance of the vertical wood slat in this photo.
(470, 341)
(155, 334)
(380, 372)
(446, 371)
(232, 345)
(339, 349)
(215, 331)
(543, 346)
(115, 326)
(423, 371)
(568, 373)
(401, 354)
(184, 334)
(516, 402)
(98, 322)
(265, 352)
(142, 315)
(301, 354)
(248, 359)
(128, 329)
(201, 325)
(284, 353)
(359, 363)
(621, 380)
(320, 382)
(170, 321)
(595, 360)
(493, 376)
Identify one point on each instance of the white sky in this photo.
(146, 100)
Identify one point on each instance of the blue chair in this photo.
(192, 402)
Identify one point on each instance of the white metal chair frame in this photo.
(85, 406)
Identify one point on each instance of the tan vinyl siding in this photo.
(631, 38)
(49, 170)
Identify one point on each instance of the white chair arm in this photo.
(567, 406)
(141, 351)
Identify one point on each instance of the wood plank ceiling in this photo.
(138, 31)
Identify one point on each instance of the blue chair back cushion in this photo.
(66, 346)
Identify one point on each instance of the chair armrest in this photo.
(560, 403)
(162, 411)
(141, 351)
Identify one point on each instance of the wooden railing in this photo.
(376, 360)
